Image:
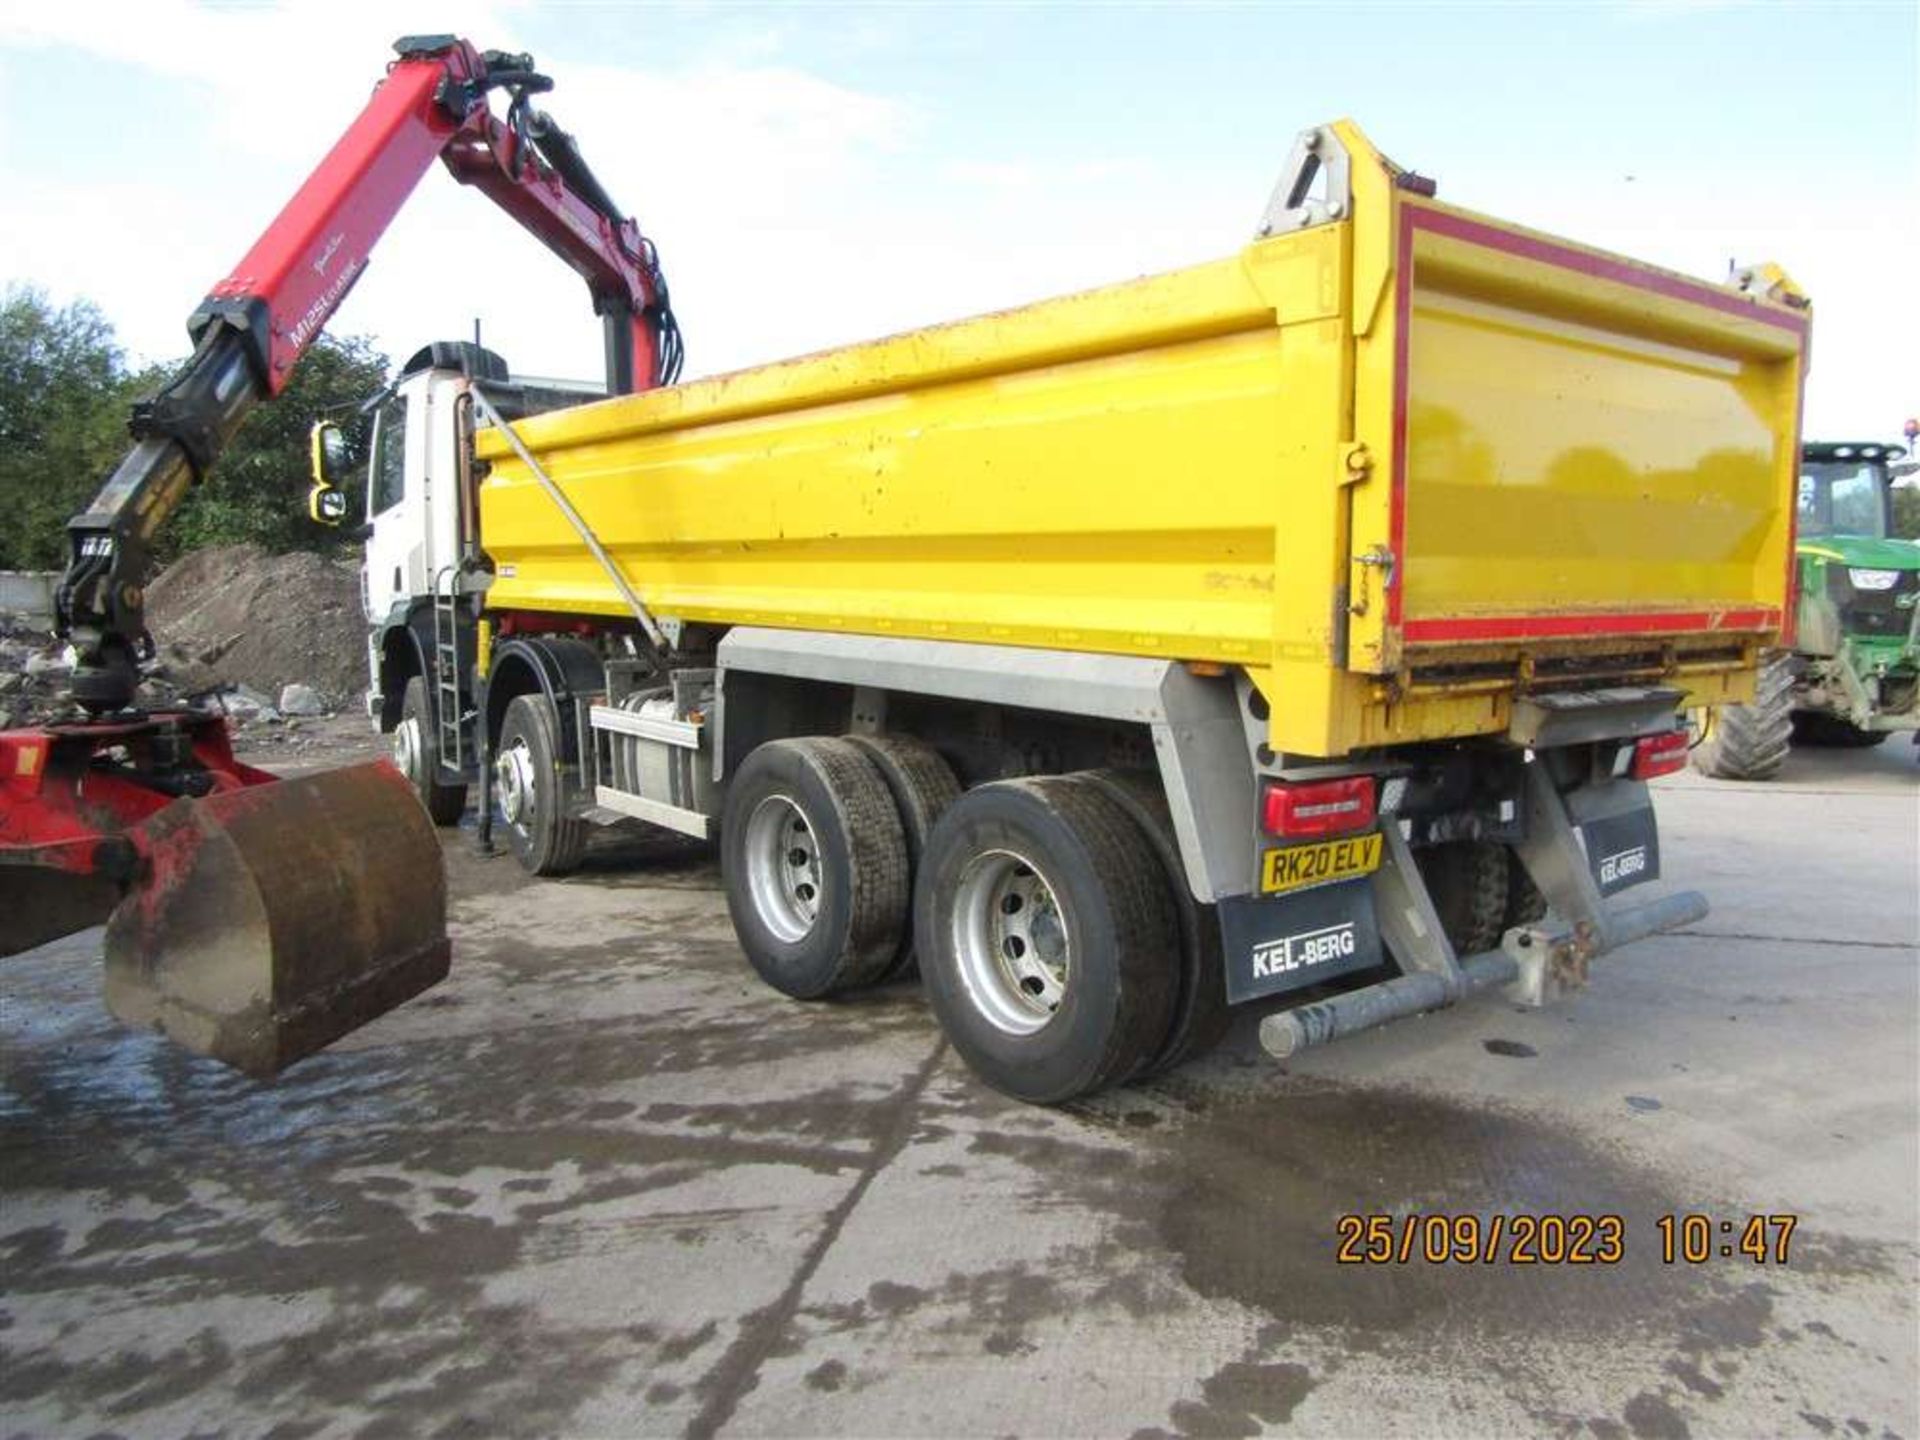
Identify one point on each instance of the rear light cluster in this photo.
(1306, 809)
(1655, 755)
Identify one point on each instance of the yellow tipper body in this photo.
(1401, 468)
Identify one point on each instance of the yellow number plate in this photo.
(1299, 866)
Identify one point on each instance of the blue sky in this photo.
(818, 174)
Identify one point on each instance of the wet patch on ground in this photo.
(1511, 1049)
(1240, 1399)
(1246, 1188)
(374, 1200)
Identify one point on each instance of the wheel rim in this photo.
(406, 748)
(513, 782)
(1010, 938)
(784, 876)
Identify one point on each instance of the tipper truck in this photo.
(1299, 629)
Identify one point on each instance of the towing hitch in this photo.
(1536, 963)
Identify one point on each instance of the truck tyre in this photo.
(1810, 727)
(922, 786)
(528, 784)
(813, 856)
(1525, 904)
(1201, 1015)
(1468, 882)
(1750, 742)
(1047, 937)
(416, 751)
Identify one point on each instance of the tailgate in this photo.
(1588, 454)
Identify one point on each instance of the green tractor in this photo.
(1852, 674)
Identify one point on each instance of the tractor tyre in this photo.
(1750, 742)
(1810, 727)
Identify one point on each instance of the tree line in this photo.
(65, 395)
(66, 391)
(1906, 510)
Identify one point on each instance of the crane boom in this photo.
(254, 325)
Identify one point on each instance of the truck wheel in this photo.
(1525, 904)
(923, 786)
(1468, 882)
(1047, 937)
(416, 750)
(1810, 727)
(527, 782)
(1201, 1016)
(1750, 742)
(814, 859)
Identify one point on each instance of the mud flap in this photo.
(267, 922)
(1622, 838)
(1277, 943)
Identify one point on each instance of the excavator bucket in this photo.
(269, 920)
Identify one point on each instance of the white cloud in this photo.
(724, 160)
(794, 212)
(274, 76)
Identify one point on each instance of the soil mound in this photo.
(236, 615)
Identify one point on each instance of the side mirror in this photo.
(326, 506)
(331, 461)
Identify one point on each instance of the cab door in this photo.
(393, 568)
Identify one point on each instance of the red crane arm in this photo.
(254, 326)
(433, 104)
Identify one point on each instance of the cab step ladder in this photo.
(446, 668)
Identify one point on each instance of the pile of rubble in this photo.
(35, 668)
(278, 638)
(33, 674)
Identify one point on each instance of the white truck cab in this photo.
(415, 476)
(421, 536)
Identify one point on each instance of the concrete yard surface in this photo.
(604, 1182)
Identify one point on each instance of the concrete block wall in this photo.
(28, 594)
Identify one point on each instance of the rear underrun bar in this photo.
(1536, 961)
